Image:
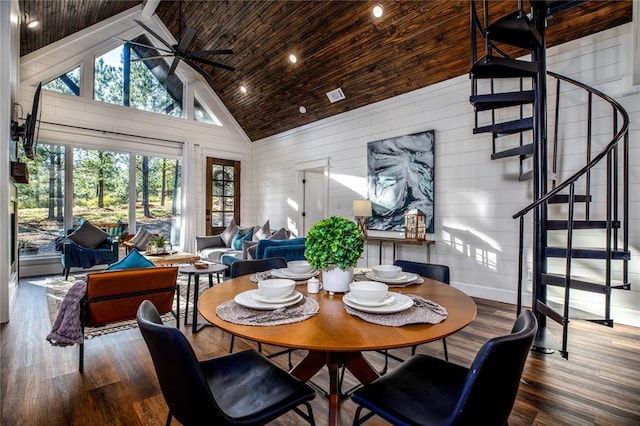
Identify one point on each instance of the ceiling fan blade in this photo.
(148, 46)
(152, 57)
(215, 64)
(174, 65)
(210, 52)
(186, 40)
(150, 31)
(198, 69)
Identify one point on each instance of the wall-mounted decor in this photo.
(400, 178)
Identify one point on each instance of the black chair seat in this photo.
(251, 389)
(438, 382)
(243, 388)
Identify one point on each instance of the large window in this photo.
(40, 202)
(223, 194)
(100, 186)
(123, 78)
(158, 183)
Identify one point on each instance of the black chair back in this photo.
(495, 375)
(427, 270)
(182, 382)
(244, 267)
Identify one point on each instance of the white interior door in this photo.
(314, 194)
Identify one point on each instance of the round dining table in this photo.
(335, 338)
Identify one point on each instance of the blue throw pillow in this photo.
(236, 243)
(132, 261)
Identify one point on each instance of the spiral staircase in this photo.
(510, 97)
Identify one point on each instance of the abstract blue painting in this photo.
(400, 174)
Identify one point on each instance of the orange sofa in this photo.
(113, 296)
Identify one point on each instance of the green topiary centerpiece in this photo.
(334, 241)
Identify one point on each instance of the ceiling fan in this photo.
(180, 52)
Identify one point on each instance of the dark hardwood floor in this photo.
(40, 384)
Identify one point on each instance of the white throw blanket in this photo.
(67, 329)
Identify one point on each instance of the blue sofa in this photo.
(292, 249)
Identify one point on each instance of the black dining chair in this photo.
(425, 390)
(427, 270)
(245, 267)
(240, 388)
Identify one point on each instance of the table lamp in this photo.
(362, 210)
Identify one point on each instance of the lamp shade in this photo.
(362, 208)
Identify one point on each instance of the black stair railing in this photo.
(611, 158)
(609, 152)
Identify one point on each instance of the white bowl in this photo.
(368, 291)
(299, 267)
(276, 289)
(387, 271)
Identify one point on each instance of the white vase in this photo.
(336, 280)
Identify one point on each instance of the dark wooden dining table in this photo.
(334, 337)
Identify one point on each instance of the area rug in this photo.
(57, 287)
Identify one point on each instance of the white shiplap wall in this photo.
(475, 197)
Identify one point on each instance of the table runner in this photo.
(422, 311)
(233, 312)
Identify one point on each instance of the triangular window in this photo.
(68, 83)
(135, 75)
(202, 115)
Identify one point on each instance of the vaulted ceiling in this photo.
(339, 44)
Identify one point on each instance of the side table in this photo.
(192, 271)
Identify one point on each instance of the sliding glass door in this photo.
(99, 191)
(40, 202)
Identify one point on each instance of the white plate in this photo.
(406, 277)
(289, 298)
(286, 273)
(400, 303)
(247, 299)
(387, 300)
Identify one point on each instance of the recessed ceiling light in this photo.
(302, 109)
(378, 10)
(33, 24)
(243, 89)
(293, 58)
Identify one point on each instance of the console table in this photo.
(401, 241)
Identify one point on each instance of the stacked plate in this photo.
(270, 294)
(286, 273)
(374, 297)
(254, 300)
(402, 278)
(391, 303)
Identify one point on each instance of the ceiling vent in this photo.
(335, 95)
